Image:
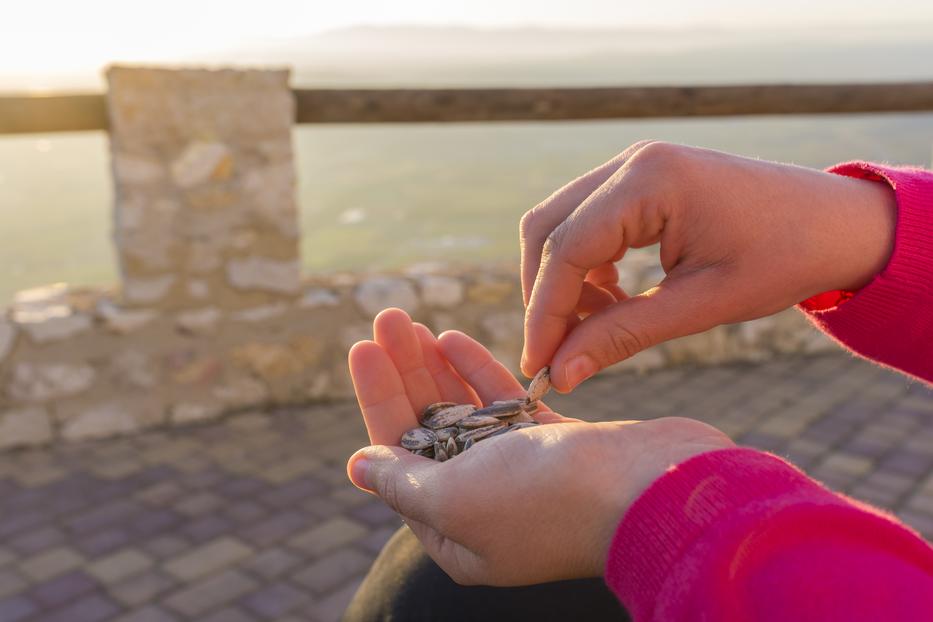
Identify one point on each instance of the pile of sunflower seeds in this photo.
(449, 429)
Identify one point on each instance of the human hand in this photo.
(538, 504)
(740, 239)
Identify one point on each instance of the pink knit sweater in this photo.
(740, 534)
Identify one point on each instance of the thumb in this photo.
(398, 477)
(676, 307)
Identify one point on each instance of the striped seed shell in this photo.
(521, 417)
(479, 433)
(418, 438)
(443, 434)
(539, 385)
(476, 421)
(440, 451)
(469, 443)
(502, 408)
(451, 447)
(434, 408)
(449, 416)
(427, 452)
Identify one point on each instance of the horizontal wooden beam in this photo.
(52, 113)
(19, 114)
(546, 104)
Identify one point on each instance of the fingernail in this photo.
(578, 369)
(358, 471)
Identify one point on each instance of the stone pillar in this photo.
(205, 210)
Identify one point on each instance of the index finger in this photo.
(539, 222)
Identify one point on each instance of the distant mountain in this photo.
(455, 56)
(412, 56)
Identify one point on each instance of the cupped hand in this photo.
(739, 239)
(534, 505)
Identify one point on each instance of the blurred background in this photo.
(370, 195)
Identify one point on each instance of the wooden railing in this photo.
(66, 113)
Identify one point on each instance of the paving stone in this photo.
(50, 563)
(207, 558)
(332, 570)
(101, 543)
(11, 582)
(98, 517)
(91, 608)
(329, 535)
(229, 614)
(197, 504)
(120, 565)
(165, 546)
(32, 542)
(6, 557)
(271, 563)
(275, 528)
(275, 600)
(161, 493)
(149, 613)
(16, 608)
(246, 511)
(374, 513)
(331, 609)
(293, 493)
(207, 528)
(141, 588)
(210, 593)
(63, 588)
(377, 538)
(847, 464)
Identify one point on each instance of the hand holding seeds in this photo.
(535, 504)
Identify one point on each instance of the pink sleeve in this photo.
(739, 534)
(891, 319)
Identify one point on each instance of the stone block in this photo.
(262, 273)
(440, 291)
(40, 382)
(24, 426)
(319, 297)
(260, 314)
(105, 419)
(491, 290)
(378, 293)
(46, 314)
(123, 321)
(7, 338)
(199, 321)
(147, 290)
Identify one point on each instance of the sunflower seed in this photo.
(434, 408)
(504, 408)
(444, 434)
(539, 385)
(418, 438)
(452, 449)
(440, 451)
(470, 442)
(476, 421)
(479, 433)
(449, 416)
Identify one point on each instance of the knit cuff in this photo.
(888, 319)
(678, 508)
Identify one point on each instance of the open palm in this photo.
(405, 369)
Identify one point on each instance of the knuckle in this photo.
(659, 153)
(389, 492)
(624, 343)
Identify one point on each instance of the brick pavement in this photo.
(252, 518)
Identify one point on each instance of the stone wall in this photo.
(77, 364)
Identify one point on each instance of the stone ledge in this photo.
(131, 369)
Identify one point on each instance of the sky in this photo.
(41, 39)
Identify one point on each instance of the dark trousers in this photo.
(405, 584)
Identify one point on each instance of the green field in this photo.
(377, 197)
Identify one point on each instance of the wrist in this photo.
(866, 215)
